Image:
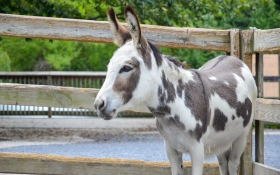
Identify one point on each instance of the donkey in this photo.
(200, 112)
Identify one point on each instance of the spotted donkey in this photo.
(200, 112)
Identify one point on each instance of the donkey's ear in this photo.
(133, 26)
(120, 33)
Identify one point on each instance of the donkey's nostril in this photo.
(99, 104)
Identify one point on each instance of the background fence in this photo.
(66, 79)
(56, 78)
(264, 41)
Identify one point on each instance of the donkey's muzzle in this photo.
(99, 104)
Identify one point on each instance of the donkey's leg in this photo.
(197, 157)
(238, 147)
(223, 159)
(175, 158)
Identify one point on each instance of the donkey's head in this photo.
(129, 77)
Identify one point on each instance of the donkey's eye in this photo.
(125, 68)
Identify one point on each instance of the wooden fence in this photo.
(264, 41)
(65, 79)
(234, 42)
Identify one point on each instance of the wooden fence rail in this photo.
(99, 31)
(49, 164)
(65, 79)
(56, 78)
(56, 96)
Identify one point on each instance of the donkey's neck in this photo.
(169, 84)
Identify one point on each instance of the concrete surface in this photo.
(118, 138)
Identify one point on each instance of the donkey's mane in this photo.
(159, 56)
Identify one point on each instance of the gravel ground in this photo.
(145, 146)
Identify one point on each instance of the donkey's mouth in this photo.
(106, 116)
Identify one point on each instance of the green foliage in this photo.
(193, 58)
(22, 53)
(272, 126)
(93, 57)
(38, 8)
(4, 61)
(60, 53)
(63, 55)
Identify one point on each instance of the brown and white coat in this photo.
(200, 112)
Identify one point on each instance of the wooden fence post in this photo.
(49, 82)
(234, 43)
(259, 125)
(279, 75)
(246, 49)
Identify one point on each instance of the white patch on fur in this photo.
(241, 89)
(187, 76)
(245, 88)
(174, 75)
(231, 127)
(226, 83)
(216, 102)
(246, 73)
(213, 78)
(178, 107)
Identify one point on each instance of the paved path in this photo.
(145, 146)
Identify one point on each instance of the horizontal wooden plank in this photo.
(85, 74)
(50, 164)
(51, 96)
(268, 110)
(83, 98)
(48, 96)
(271, 78)
(99, 31)
(54, 73)
(79, 123)
(261, 169)
(267, 40)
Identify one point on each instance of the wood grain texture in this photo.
(79, 123)
(246, 167)
(261, 169)
(82, 98)
(99, 31)
(259, 125)
(49, 164)
(246, 47)
(268, 110)
(267, 40)
(234, 43)
(47, 96)
(55, 73)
